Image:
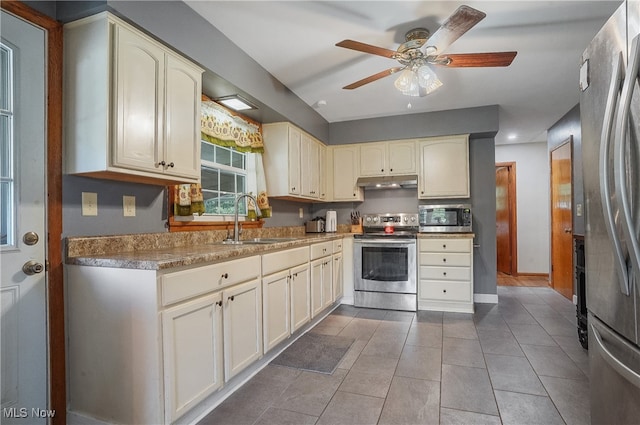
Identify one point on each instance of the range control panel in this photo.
(390, 219)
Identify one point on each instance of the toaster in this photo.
(315, 226)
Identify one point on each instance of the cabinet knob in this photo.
(422, 192)
(162, 163)
(219, 303)
(225, 276)
(444, 260)
(391, 169)
(293, 188)
(171, 164)
(444, 246)
(444, 273)
(444, 290)
(382, 170)
(231, 298)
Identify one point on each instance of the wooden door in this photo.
(506, 236)
(562, 220)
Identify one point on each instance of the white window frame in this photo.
(8, 176)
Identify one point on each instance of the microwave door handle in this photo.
(605, 173)
(619, 168)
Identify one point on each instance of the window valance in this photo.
(221, 128)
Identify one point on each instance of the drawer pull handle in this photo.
(219, 303)
(232, 297)
(225, 276)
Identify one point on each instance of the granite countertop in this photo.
(198, 253)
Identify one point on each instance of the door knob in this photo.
(567, 230)
(32, 267)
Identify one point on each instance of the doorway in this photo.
(32, 110)
(562, 219)
(506, 219)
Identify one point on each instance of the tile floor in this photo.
(517, 362)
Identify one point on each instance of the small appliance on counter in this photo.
(317, 225)
(331, 224)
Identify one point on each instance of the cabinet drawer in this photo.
(320, 250)
(445, 273)
(282, 260)
(445, 291)
(445, 245)
(189, 283)
(337, 246)
(454, 259)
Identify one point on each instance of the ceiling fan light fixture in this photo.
(405, 80)
(428, 79)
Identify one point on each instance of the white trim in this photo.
(575, 300)
(485, 298)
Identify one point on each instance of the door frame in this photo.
(54, 261)
(567, 141)
(513, 216)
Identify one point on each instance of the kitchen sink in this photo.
(257, 241)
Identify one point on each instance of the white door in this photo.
(22, 216)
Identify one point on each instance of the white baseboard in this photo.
(485, 298)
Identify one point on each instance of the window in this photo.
(7, 180)
(226, 173)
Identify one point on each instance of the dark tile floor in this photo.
(517, 362)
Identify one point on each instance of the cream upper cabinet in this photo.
(303, 155)
(387, 158)
(346, 162)
(444, 167)
(132, 106)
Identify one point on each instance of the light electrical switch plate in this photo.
(89, 204)
(129, 206)
(301, 213)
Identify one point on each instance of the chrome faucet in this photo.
(236, 226)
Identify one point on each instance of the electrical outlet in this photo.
(301, 212)
(89, 204)
(129, 206)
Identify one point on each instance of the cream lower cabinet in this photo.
(192, 343)
(338, 270)
(444, 167)
(445, 274)
(321, 277)
(286, 296)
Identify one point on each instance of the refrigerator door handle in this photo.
(628, 373)
(605, 195)
(620, 174)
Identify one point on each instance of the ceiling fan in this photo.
(422, 49)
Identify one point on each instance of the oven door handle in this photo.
(385, 241)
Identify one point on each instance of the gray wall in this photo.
(569, 126)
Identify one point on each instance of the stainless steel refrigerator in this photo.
(610, 120)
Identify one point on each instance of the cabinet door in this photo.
(373, 159)
(317, 270)
(138, 89)
(276, 307)
(192, 342)
(242, 326)
(294, 162)
(338, 283)
(402, 158)
(345, 174)
(327, 282)
(182, 118)
(444, 168)
(300, 297)
(322, 175)
(310, 171)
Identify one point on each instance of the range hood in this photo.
(389, 182)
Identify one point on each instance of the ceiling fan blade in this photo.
(367, 48)
(466, 60)
(462, 20)
(373, 78)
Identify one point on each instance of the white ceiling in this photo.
(295, 42)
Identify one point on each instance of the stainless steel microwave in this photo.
(454, 218)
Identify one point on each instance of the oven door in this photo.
(385, 265)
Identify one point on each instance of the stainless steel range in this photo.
(385, 262)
